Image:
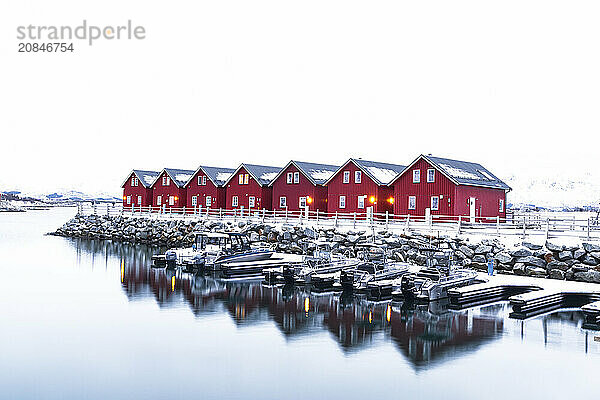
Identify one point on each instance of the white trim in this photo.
(282, 204)
(432, 170)
(345, 175)
(234, 201)
(342, 200)
(414, 201)
(289, 178)
(416, 176)
(358, 174)
(363, 198)
(437, 203)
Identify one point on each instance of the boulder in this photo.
(580, 268)
(578, 254)
(533, 261)
(466, 251)
(504, 258)
(519, 269)
(564, 255)
(556, 274)
(589, 260)
(479, 259)
(589, 276)
(590, 247)
(521, 252)
(460, 255)
(560, 265)
(535, 271)
(595, 254)
(532, 246)
(553, 247)
(483, 249)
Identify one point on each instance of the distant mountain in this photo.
(63, 196)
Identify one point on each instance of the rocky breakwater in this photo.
(580, 263)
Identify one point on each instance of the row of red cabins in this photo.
(444, 186)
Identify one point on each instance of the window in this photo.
(296, 177)
(171, 200)
(282, 202)
(346, 177)
(204, 180)
(435, 203)
(208, 201)
(137, 182)
(158, 200)
(165, 181)
(302, 202)
(290, 177)
(139, 200)
(361, 201)
(128, 199)
(133, 181)
(412, 202)
(246, 178)
(194, 201)
(357, 176)
(234, 201)
(431, 175)
(501, 205)
(416, 176)
(201, 180)
(251, 200)
(241, 179)
(343, 199)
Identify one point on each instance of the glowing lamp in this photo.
(388, 313)
(372, 199)
(176, 198)
(309, 200)
(391, 200)
(306, 305)
(172, 283)
(124, 197)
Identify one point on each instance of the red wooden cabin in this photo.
(206, 187)
(449, 187)
(137, 188)
(168, 190)
(248, 187)
(300, 184)
(360, 184)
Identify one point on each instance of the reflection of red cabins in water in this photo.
(424, 341)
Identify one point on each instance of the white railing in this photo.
(582, 226)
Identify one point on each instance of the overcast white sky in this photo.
(513, 85)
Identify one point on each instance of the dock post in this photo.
(387, 220)
(547, 228)
(317, 217)
(407, 228)
(354, 226)
(220, 213)
(234, 214)
(286, 214)
(588, 228)
(263, 217)
(459, 226)
(524, 228)
(498, 225)
(335, 220)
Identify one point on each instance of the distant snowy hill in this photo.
(64, 195)
(555, 191)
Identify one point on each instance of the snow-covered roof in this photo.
(318, 174)
(217, 175)
(468, 173)
(263, 174)
(179, 176)
(381, 173)
(146, 178)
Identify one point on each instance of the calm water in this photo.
(89, 319)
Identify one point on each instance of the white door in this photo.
(472, 209)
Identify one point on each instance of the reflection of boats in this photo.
(432, 283)
(212, 249)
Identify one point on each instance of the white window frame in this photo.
(133, 183)
(241, 179)
(357, 176)
(435, 203)
(430, 175)
(234, 201)
(282, 202)
(208, 201)
(416, 176)
(302, 202)
(251, 202)
(139, 200)
(412, 202)
(342, 203)
(246, 178)
(346, 177)
(164, 181)
(199, 180)
(500, 205)
(204, 180)
(128, 199)
(361, 201)
(194, 201)
(171, 200)
(290, 177)
(296, 177)
(159, 200)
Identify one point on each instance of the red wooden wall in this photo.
(134, 192)
(217, 194)
(293, 192)
(262, 194)
(169, 190)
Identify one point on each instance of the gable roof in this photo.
(263, 174)
(381, 173)
(317, 174)
(146, 178)
(178, 176)
(218, 176)
(463, 172)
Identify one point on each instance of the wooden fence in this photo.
(522, 224)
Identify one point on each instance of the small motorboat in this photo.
(431, 283)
